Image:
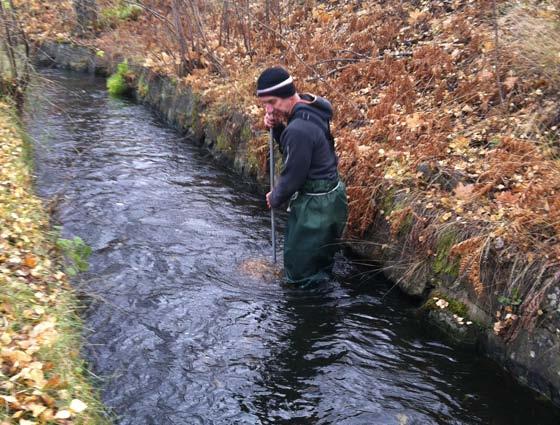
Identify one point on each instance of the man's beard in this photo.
(282, 116)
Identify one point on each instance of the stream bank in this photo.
(42, 375)
(532, 357)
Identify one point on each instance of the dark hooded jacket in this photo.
(307, 150)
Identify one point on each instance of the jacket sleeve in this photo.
(297, 159)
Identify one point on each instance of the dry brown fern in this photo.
(470, 251)
(397, 218)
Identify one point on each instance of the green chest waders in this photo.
(318, 214)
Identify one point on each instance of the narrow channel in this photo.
(179, 335)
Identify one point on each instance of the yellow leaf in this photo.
(77, 405)
(40, 328)
(8, 398)
(47, 415)
(459, 144)
(44, 332)
(15, 355)
(5, 339)
(35, 376)
(36, 409)
(63, 414)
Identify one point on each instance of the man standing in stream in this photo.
(309, 180)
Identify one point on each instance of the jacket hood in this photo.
(316, 104)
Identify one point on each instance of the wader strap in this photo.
(311, 183)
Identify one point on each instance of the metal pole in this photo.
(273, 229)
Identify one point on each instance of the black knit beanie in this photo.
(275, 82)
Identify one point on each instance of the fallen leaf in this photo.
(446, 216)
(36, 409)
(77, 405)
(507, 197)
(30, 261)
(15, 355)
(63, 414)
(8, 398)
(442, 303)
(509, 83)
(464, 191)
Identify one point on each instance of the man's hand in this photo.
(271, 120)
(268, 199)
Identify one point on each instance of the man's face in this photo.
(276, 106)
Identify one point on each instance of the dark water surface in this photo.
(180, 336)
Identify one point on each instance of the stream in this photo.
(178, 334)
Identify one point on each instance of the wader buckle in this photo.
(293, 198)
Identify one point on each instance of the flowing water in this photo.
(179, 334)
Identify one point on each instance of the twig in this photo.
(497, 52)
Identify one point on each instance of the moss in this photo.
(443, 263)
(195, 118)
(117, 83)
(454, 307)
(406, 224)
(142, 88)
(110, 16)
(388, 201)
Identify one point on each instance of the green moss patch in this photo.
(443, 262)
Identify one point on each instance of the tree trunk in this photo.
(13, 40)
(184, 65)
